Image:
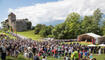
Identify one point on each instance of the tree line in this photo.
(73, 26)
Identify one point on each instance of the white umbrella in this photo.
(91, 45)
(101, 45)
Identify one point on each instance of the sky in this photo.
(48, 11)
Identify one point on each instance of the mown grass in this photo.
(82, 43)
(30, 34)
(21, 57)
(99, 57)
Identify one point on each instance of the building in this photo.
(18, 24)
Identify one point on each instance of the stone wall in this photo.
(21, 25)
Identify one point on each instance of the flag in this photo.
(92, 41)
(10, 29)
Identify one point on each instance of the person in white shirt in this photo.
(99, 51)
(25, 54)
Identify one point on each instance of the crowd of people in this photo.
(31, 49)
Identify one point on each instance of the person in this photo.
(99, 51)
(94, 59)
(44, 58)
(90, 56)
(3, 54)
(81, 54)
(25, 54)
(64, 57)
(67, 58)
(72, 55)
(30, 55)
(86, 54)
(84, 58)
(76, 55)
(36, 57)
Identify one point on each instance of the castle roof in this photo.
(11, 14)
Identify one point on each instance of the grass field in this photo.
(30, 34)
(82, 43)
(20, 57)
(100, 57)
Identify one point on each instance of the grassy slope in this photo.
(12, 37)
(30, 34)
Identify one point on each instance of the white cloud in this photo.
(58, 10)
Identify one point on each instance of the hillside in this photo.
(30, 34)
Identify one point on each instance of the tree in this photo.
(91, 23)
(29, 24)
(86, 24)
(73, 26)
(46, 31)
(38, 28)
(97, 15)
(103, 28)
(73, 22)
(58, 31)
(5, 25)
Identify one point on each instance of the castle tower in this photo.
(11, 19)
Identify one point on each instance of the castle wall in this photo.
(21, 25)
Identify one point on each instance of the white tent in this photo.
(101, 45)
(95, 36)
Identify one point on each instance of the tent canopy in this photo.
(89, 37)
(93, 35)
(101, 45)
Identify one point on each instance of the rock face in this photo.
(18, 24)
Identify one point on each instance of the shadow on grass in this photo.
(13, 58)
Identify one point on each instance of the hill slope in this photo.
(30, 34)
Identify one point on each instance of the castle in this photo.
(18, 24)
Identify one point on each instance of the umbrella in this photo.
(91, 45)
(101, 45)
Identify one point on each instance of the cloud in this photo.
(52, 11)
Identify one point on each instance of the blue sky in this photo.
(48, 11)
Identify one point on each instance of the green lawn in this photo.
(20, 57)
(30, 34)
(0, 31)
(100, 57)
(82, 43)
